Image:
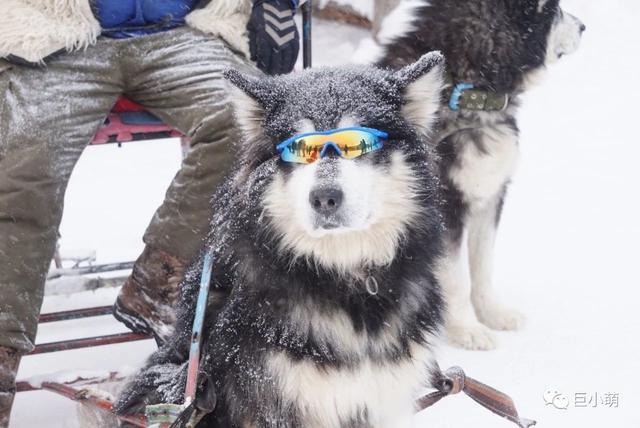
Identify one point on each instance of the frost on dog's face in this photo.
(336, 212)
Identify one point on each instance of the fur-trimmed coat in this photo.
(34, 29)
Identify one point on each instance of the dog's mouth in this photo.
(324, 224)
(337, 225)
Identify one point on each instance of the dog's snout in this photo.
(326, 200)
(580, 24)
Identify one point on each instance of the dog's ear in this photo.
(421, 84)
(548, 8)
(530, 10)
(249, 96)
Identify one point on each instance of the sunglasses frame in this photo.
(380, 136)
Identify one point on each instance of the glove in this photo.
(274, 41)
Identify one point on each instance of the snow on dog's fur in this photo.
(499, 46)
(317, 319)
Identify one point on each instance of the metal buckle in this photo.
(454, 101)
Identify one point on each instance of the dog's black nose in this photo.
(582, 28)
(326, 200)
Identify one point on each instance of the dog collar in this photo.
(465, 96)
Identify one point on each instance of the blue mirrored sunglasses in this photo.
(348, 143)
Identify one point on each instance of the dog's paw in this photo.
(162, 383)
(472, 336)
(498, 317)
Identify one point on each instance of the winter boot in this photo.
(9, 360)
(146, 304)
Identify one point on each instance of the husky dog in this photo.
(497, 47)
(324, 301)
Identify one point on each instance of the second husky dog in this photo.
(494, 50)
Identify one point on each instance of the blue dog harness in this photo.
(121, 19)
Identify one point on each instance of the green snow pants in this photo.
(47, 117)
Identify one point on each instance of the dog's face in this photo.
(564, 37)
(558, 31)
(342, 213)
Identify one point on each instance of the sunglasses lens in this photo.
(355, 143)
(348, 143)
(304, 150)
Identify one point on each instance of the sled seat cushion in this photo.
(129, 121)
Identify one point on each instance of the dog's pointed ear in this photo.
(421, 84)
(249, 96)
(531, 10)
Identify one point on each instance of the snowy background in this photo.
(567, 253)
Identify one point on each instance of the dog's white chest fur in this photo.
(482, 174)
(381, 393)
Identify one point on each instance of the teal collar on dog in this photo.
(465, 96)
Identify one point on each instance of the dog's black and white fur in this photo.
(500, 46)
(324, 302)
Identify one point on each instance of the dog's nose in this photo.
(326, 200)
(582, 28)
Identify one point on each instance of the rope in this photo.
(454, 380)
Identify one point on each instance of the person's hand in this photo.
(273, 36)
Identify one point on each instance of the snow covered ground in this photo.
(567, 253)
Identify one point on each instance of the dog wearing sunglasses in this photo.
(324, 303)
(495, 50)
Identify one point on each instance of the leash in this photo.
(189, 414)
(454, 380)
(196, 332)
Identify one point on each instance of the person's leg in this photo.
(9, 360)
(186, 89)
(178, 77)
(47, 116)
